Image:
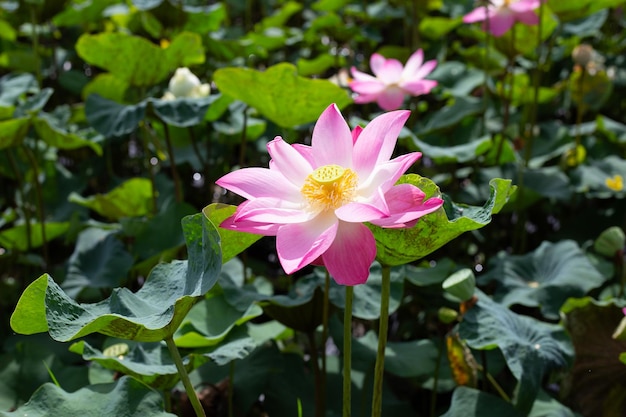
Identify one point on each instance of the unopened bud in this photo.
(610, 241)
(461, 284)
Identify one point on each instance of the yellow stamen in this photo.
(615, 183)
(329, 187)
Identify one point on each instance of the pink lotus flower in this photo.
(392, 81)
(502, 15)
(315, 199)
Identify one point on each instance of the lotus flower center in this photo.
(329, 187)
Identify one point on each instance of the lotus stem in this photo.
(379, 368)
(347, 352)
(184, 377)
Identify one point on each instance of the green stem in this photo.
(379, 368)
(20, 191)
(149, 167)
(498, 388)
(325, 333)
(347, 352)
(40, 207)
(170, 150)
(35, 45)
(319, 394)
(184, 377)
(244, 139)
(483, 126)
(433, 397)
(231, 389)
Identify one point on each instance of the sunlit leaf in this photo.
(131, 198)
(151, 314)
(233, 243)
(280, 94)
(18, 238)
(13, 131)
(400, 246)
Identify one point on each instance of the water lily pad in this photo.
(280, 94)
(401, 246)
(151, 314)
(469, 400)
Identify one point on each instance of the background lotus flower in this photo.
(392, 81)
(185, 84)
(502, 14)
(314, 199)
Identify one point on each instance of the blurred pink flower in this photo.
(315, 199)
(392, 81)
(502, 14)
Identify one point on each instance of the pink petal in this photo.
(300, 244)
(525, 5)
(332, 140)
(377, 61)
(306, 151)
(272, 210)
(377, 141)
(361, 76)
(500, 24)
(385, 175)
(365, 98)
(413, 64)
(356, 132)
(289, 161)
(391, 99)
(356, 212)
(351, 254)
(251, 183)
(527, 18)
(250, 227)
(477, 15)
(367, 87)
(406, 203)
(426, 69)
(420, 87)
(390, 72)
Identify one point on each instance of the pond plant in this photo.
(216, 208)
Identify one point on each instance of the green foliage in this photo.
(524, 137)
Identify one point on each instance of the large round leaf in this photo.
(151, 314)
(401, 246)
(137, 60)
(530, 348)
(280, 94)
(468, 402)
(544, 278)
(124, 397)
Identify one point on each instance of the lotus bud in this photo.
(583, 54)
(610, 241)
(185, 84)
(447, 315)
(461, 284)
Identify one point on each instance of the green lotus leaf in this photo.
(280, 94)
(136, 60)
(18, 237)
(124, 397)
(130, 199)
(233, 242)
(111, 118)
(59, 138)
(544, 278)
(99, 261)
(401, 246)
(478, 403)
(13, 131)
(182, 112)
(151, 314)
(530, 348)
